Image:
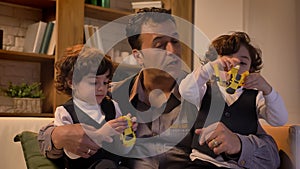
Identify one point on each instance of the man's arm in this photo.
(259, 151)
(71, 137)
(45, 143)
(249, 151)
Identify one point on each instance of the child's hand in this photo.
(113, 127)
(134, 123)
(227, 62)
(118, 125)
(256, 81)
(133, 120)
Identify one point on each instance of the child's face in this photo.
(92, 89)
(245, 61)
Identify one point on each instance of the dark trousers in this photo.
(175, 158)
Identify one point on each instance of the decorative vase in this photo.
(27, 105)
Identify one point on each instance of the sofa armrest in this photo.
(294, 137)
(33, 157)
(9, 128)
(288, 141)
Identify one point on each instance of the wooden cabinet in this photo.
(69, 16)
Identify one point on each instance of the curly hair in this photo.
(80, 60)
(144, 15)
(230, 44)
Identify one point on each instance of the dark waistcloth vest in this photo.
(173, 109)
(240, 117)
(78, 116)
(135, 106)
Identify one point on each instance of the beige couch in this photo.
(11, 156)
(287, 139)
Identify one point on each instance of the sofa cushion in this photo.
(34, 159)
(294, 137)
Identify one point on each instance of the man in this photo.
(163, 134)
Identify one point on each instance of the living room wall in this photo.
(273, 26)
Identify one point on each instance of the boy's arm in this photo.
(192, 88)
(271, 107)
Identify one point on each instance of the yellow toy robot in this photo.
(235, 81)
(128, 137)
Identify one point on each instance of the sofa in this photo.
(12, 157)
(288, 141)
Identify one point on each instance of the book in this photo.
(86, 33)
(46, 38)
(52, 43)
(99, 39)
(92, 38)
(144, 4)
(34, 36)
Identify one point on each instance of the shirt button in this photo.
(242, 162)
(227, 114)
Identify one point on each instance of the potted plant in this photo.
(26, 97)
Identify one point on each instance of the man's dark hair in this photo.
(144, 15)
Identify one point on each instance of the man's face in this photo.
(160, 47)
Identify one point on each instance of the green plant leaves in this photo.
(24, 90)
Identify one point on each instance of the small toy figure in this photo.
(235, 81)
(128, 137)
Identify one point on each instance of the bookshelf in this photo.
(101, 13)
(28, 57)
(69, 16)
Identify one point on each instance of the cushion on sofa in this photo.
(34, 159)
(285, 139)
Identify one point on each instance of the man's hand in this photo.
(220, 139)
(74, 139)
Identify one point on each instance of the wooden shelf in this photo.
(29, 57)
(33, 3)
(101, 13)
(26, 115)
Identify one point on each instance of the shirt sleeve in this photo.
(62, 117)
(118, 110)
(193, 87)
(271, 108)
(45, 142)
(258, 151)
